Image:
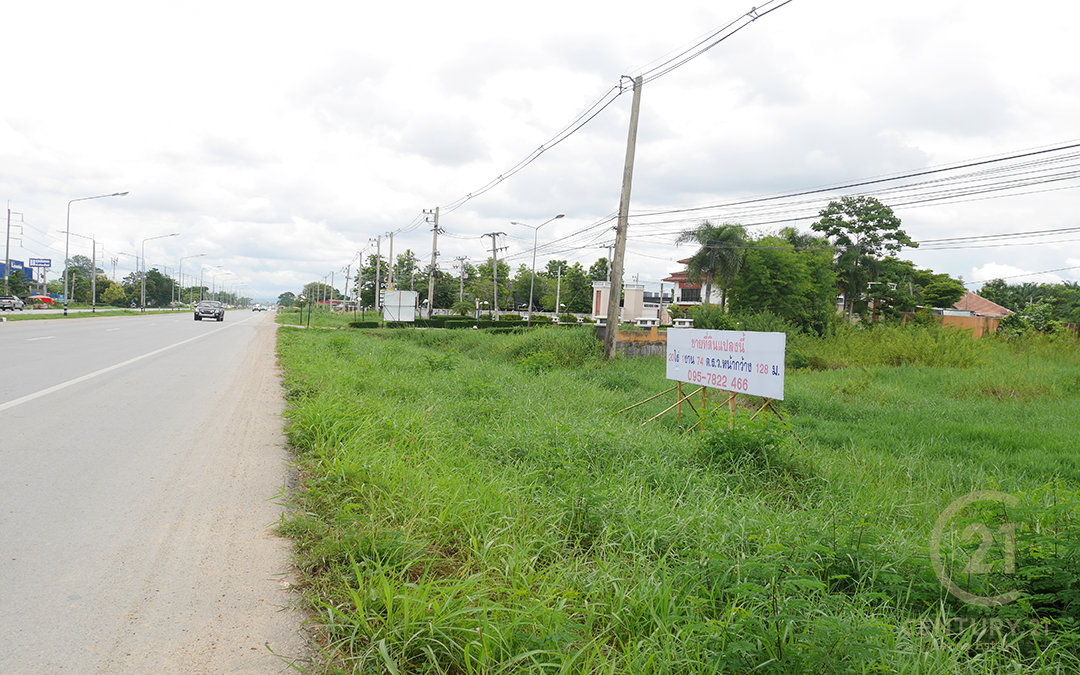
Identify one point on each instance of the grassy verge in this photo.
(318, 318)
(473, 505)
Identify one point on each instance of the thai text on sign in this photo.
(745, 362)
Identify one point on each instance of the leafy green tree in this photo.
(317, 291)
(103, 284)
(405, 271)
(483, 287)
(286, 299)
(863, 230)
(553, 267)
(600, 270)
(943, 293)
(18, 283)
(446, 288)
(719, 258)
(159, 289)
(114, 295)
(365, 279)
(576, 289)
(522, 280)
(795, 284)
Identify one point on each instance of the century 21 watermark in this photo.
(996, 552)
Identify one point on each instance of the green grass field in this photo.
(474, 503)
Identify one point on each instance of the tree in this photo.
(405, 271)
(600, 270)
(719, 258)
(365, 279)
(943, 293)
(863, 230)
(316, 291)
(482, 287)
(576, 290)
(18, 282)
(446, 288)
(796, 284)
(115, 296)
(286, 299)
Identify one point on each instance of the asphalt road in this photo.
(141, 460)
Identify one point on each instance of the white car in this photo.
(11, 302)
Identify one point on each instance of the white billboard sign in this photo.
(744, 362)
(399, 306)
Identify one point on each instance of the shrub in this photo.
(455, 323)
(545, 348)
(711, 317)
(742, 439)
(363, 324)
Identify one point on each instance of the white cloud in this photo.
(1012, 275)
(279, 141)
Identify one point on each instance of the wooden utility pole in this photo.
(431, 272)
(615, 288)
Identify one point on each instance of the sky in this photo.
(281, 139)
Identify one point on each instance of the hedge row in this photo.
(455, 322)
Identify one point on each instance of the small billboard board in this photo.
(399, 306)
(745, 362)
(40, 262)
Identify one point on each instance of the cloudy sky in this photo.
(281, 138)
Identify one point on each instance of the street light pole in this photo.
(67, 244)
(532, 279)
(93, 270)
(179, 274)
(202, 287)
(143, 294)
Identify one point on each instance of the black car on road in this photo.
(210, 309)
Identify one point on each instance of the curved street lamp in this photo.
(143, 294)
(67, 243)
(532, 279)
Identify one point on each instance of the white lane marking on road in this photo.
(109, 330)
(84, 378)
(47, 337)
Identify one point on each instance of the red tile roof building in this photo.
(980, 306)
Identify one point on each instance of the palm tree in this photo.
(719, 258)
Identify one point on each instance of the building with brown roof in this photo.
(979, 306)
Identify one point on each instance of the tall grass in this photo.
(472, 505)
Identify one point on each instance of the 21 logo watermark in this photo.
(999, 543)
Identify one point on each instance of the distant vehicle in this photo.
(210, 309)
(11, 302)
(258, 308)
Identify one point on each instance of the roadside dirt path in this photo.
(216, 596)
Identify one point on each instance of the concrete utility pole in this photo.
(7, 250)
(461, 265)
(558, 294)
(378, 271)
(495, 272)
(431, 272)
(390, 283)
(615, 289)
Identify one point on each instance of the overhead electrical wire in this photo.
(609, 96)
